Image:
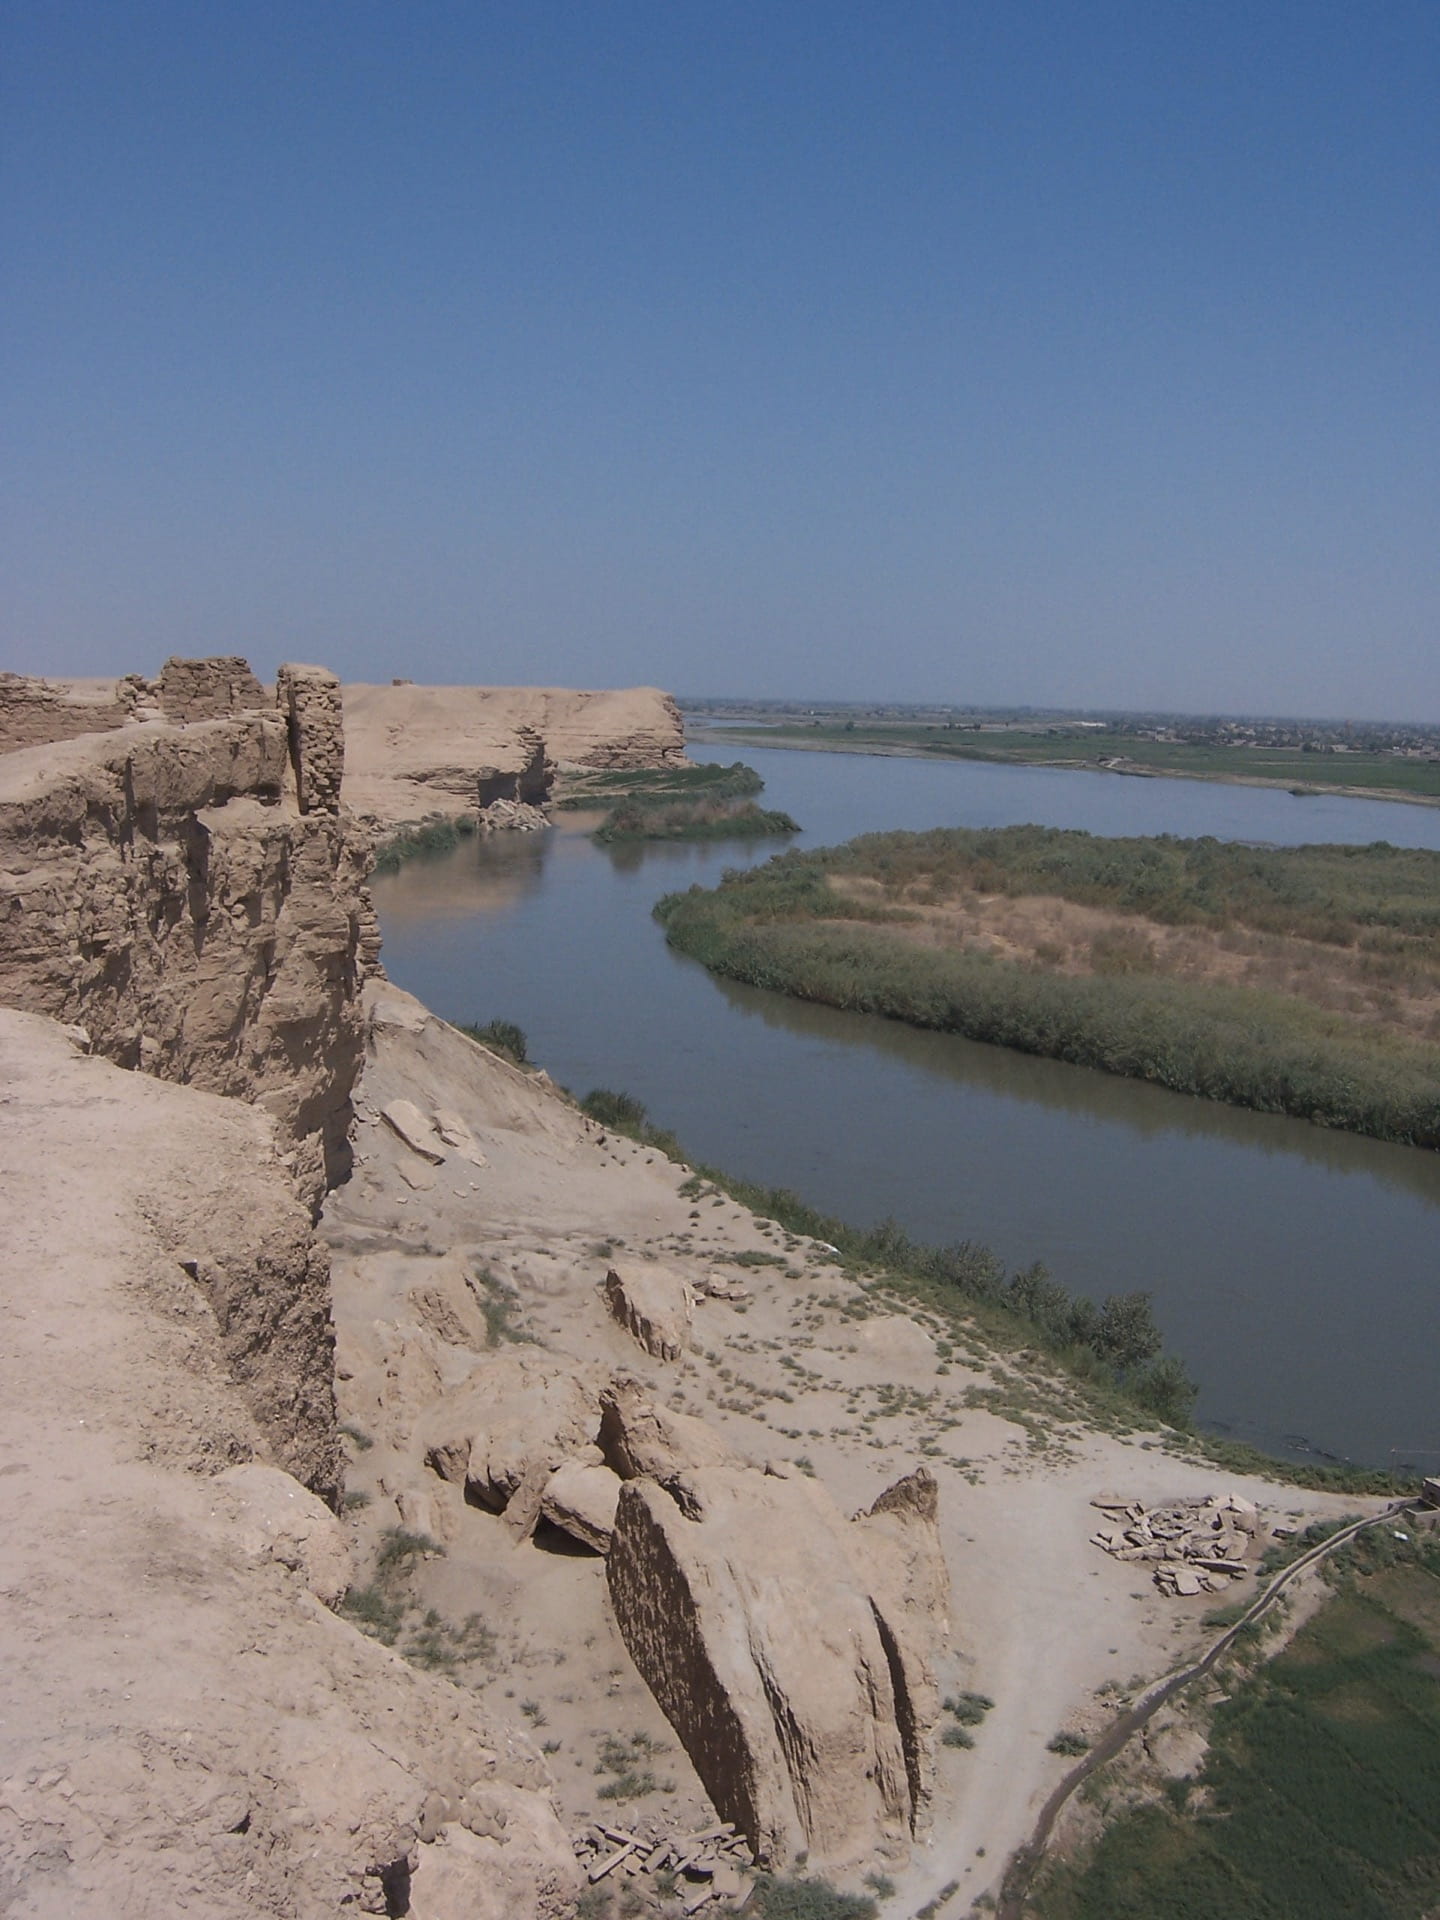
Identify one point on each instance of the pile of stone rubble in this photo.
(704, 1866)
(1198, 1546)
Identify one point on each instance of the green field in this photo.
(1387, 775)
(1318, 1798)
(1344, 941)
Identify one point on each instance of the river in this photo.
(1295, 1270)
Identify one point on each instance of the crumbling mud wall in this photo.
(792, 1654)
(208, 689)
(192, 895)
(36, 713)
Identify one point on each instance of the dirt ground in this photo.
(811, 1369)
(185, 1725)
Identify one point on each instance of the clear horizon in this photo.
(691, 699)
(1052, 356)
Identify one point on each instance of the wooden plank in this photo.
(602, 1867)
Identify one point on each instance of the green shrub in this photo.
(778, 1898)
(436, 835)
(622, 1113)
(400, 1549)
(387, 1610)
(376, 1611)
(499, 1305)
(501, 1036)
(621, 1757)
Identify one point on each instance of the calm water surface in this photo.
(1294, 1269)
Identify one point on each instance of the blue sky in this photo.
(1080, 354)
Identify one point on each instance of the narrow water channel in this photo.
(1296, 1271)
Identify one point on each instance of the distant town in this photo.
(1411, 740)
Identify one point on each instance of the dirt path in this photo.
(1025, 1863)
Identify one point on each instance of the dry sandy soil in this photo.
(810, 1368)
(1067, 937)
(185, 1725)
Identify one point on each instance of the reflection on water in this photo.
(1294, 1269)
(1146, 1110)
(490, 874)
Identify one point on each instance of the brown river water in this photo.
(1295, 1270)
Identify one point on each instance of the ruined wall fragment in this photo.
(208, 689)
(161, 886)
(752, 1622)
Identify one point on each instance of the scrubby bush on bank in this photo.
(441, 834)
(689, 820)
(500, 1036)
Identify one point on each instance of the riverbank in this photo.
(1248, 1229)
(1303, 981)
(1415, 783)
(796, 1358)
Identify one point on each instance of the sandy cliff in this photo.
(191, 894)
(187, 1726)
(413, 750)
(187, 1723)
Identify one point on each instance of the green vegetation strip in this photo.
(437, 835)
(1387, 775)
(677, 803)
(689, 820)
(1317, 1797)
(659, 786)
(784, 926)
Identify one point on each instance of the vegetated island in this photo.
(1296, 980)
(676, 803)
(1376, 762)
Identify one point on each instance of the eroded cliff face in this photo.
(192, 895)
(417, 750)
(188, 1727)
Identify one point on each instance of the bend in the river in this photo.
(1295, 1270)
